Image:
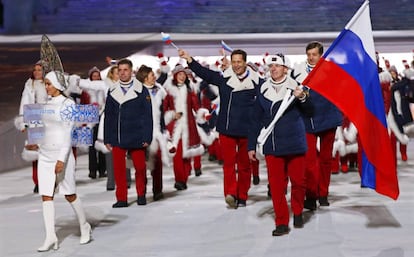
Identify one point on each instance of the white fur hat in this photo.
(56, 82)
(94, 69)
(177, 69)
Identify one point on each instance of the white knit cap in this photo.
(279, 59)
(52, 77)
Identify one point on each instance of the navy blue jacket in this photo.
(128, 117)
(325, 115)
(236, 98)
(288, 136)
(406, 89)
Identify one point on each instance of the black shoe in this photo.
(220, 162)
(198, 172)
(256, 180)
(92, 174)
(141, 200)
(310, 204)
(180, 186)
(102, 175)
(36, 189)
(298, 221)
(120, 204)
(158, 196)
(212, 158)
(110, 188)
(323, 201)
(269, 194)
(353, 166)
(231, 201)
(241, 203)
(281, 230)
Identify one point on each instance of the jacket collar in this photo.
(270, 93)
(132, 93)
(247, 83)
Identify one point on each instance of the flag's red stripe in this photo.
(343, 90)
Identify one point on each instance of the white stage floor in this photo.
(196, 222)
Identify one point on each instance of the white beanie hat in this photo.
(279, 59)
(52, 77)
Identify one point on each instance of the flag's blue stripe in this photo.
(226, 47)
(368, 177)
(348, 52)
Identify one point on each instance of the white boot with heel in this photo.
(51, 240)
(85, 227)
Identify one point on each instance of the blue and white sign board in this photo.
(35, 114)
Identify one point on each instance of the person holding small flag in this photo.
(179, 107)
(238, 85)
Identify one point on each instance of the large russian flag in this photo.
(347, 75)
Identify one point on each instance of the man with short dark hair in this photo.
(237, 89)
(128, 128)
(323, 123)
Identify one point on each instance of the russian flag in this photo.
(226, 47)
(166, 38)
(347, 75)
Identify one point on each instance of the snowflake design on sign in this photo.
(82, 136)
(82, 113)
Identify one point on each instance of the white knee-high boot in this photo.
(85, 227)
(49, 220)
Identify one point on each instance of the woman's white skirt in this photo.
(46, 173)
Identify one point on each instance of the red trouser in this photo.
(336, 160)
(403, 148)
(182, 166)
(197, 162)
(234, 151)
(255, 167)
(138, 159)
(34, 173)
(279, 170)
(156, 173)
(318, 166)
(215, 149)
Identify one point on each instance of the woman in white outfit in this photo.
(34, 92)
(56, 163)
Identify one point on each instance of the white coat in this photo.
(57, 145)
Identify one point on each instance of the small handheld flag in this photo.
(167, 39)
(226, 47)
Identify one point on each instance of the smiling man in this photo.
(237, 90)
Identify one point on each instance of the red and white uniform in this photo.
(184, 136)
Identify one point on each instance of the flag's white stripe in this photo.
(360, 24)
